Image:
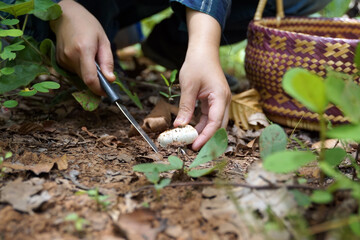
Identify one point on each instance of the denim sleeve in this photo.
(219, 9)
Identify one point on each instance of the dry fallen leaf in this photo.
(158, 120)
(310, 171)
(243, 106)
(107, 140)
(258, 118)
(37, 164)
(138, 225)
(329, 143)
(23, 195)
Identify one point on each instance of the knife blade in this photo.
(114, 98)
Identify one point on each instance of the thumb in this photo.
(186, 108)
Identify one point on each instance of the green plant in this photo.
(336, 8)
(215, 147)
(101, 200)
(340, 90)
(79, 222)
(3, 157)
(169, 83)
(22, 59)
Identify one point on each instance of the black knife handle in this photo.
(107, 86)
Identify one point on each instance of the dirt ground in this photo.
(60, 151)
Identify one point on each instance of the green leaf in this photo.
(25, 55)
(8, 155)
(71, 217)
(350, 100)
(163, 183)
(195, 173)
(8, 51)
(302, 199)
(334, 89)
(272, 139)
(176, 162)
(7, 70)
(357, 57)
(354, 223)
(153, 177)
(132, 96)
(46, 10)
(102, 198)
(10, 103)
(27, 93)
(212, 149)
(17, 9)
(173, 76)
(88, 100)
(346, 132)
(288, 161)
(10, 22)
(45, 86)
(40, 88)
(50, 85)
(336, 8)
(152, 167)
(297, 82)
(11, 33)
(321, 197)
(302, 180)
(334, 156)
(165, 80)
(22, 76)
(79, 224)
(164, 94)
(92, 192)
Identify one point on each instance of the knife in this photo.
(114, 97)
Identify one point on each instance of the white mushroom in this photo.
(182, 135)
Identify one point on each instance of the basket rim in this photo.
(256, 25)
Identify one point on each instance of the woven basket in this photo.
(310, 43)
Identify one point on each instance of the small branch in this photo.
(142, 83)
(25, 22)
(331, 225)
(208, 183)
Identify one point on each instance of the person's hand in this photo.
(201, 77)
(80, 40)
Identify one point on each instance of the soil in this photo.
(67, 151)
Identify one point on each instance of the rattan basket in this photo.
(311, 43)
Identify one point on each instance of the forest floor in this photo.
(60, 152)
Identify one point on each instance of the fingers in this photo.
(105, 59)
(88, 72)
(186, 106)
(212, 120)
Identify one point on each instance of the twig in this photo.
(266, 180)
(330, 225)
(146, 84)
(208, 183)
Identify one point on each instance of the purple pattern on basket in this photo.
(310, 43)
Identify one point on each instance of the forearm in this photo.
(204, 34)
